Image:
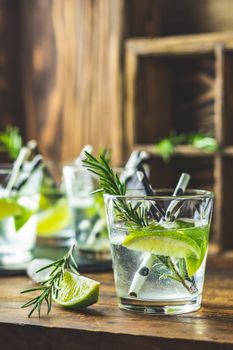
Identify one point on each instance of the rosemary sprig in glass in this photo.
(111, 184)
(50, 287)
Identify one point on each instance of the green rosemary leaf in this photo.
(110, 184)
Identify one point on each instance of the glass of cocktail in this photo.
(19, 200)
(159, 248)
(88, 215)
(55, 233)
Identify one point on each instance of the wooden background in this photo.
(62, 64)
(61, 69)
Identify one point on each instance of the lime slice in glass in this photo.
(77, 292)
(44, 202)
(9, 207)
(20, 220)
(168, 243)
(54, 219)
(200, 236)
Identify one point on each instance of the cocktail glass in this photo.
(88, 214)
(55, 233)
(18, 217)
(159, 248)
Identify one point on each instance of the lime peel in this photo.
(77, 292)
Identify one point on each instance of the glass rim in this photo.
(191, 194)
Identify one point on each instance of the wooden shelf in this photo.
(182, 150)
(185, 151)
(180, 45)
(185, 83)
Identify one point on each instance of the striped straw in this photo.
(149, 259)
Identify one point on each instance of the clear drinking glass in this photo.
(18, 217)
(88, 214)
(159, 248)
(55, 233)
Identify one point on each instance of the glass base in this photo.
(15, 262)
(161, 307)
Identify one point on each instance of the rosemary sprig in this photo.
(111, 184)
(50, 287)
(176, 274)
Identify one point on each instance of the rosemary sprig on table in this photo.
(50, 287)
(111, 184)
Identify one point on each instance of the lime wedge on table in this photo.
(54, 219)
(77, 292)
(10, 207)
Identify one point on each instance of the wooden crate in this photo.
(185, 83)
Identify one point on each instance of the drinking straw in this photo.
(135, 159)
(156, 210)
(179, 191)
(33, 146)
(148, 260)
(95, 232)
(23, 155)
(35, 163)
(86, 148)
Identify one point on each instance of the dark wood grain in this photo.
(11, 106)
(105, 326)
(195, 16)
(72, 59)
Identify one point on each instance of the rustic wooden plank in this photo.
(131, 64)
(195, 16)
(221, 230)
(180, 45)
(227, 122)
(11, 107)
(73, 107)
(73, 71)
(107, 326)
(181, 150)
(226, 219)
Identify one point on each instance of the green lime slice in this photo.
(23, 218)
(77, 292)
(168, 243)
(9, 207)
(54, 219)
(200, 236)
(44, 202)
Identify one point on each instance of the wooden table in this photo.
(104, 326)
